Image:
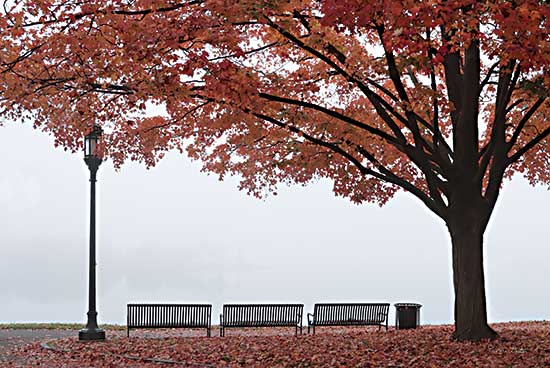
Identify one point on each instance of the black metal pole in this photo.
(92, 330)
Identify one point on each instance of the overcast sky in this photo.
(174, 234)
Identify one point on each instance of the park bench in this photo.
(169, 316)
(261, 315)
(348, 314)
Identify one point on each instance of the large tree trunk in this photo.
(466, 226)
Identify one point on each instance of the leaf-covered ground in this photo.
(53, 326)
(525, 344)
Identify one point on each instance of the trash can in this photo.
(407, 315)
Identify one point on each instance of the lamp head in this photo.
(90, 142)
(90, 147)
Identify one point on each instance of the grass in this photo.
(53, 326)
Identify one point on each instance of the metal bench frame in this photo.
(348, 314)
(169, 316)
(261, 315)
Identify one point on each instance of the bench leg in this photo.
(128, 332)
(208, 332)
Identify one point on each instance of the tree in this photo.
(443, 99)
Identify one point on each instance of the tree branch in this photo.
(524, 121)
(392, 178)
(378, 102)
(487, 78)
(506, 83)
(380, 133)
(142, 12)
(420, 142)
(262, 48)
(372, 97)
(520, 152)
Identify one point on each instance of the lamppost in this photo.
(92, 330)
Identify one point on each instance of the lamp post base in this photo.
(87, 334)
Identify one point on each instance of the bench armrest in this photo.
(221, 319)
(310, 320)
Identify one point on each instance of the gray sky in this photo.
(174, 234)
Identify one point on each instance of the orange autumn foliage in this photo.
(214, 66)
(443, 99)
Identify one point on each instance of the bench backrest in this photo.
(250, 315)
(169, 315)
(350, 313)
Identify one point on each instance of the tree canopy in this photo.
(443, 99)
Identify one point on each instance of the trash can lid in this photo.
(405, 305)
